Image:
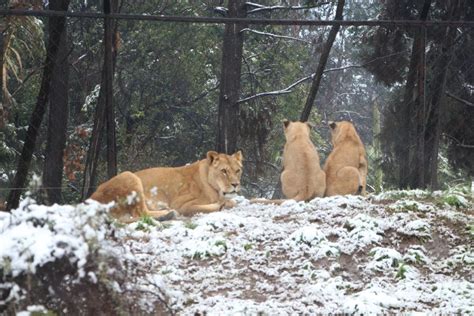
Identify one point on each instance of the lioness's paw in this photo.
(167, 217)
(229, 204)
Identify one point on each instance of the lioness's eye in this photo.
(224, 171)
(238, 171)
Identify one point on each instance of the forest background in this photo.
(83, 99)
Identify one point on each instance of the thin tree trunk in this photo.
(322, 64)
(377, 150)
(57, 123)
(418, 178)
(407, 132)
(100, 121)
(228, 110)
(56, 28)
(438, 88)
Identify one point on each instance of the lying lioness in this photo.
(201, 187)
(346, 165)
(302, 178)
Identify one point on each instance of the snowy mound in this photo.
(331, 255)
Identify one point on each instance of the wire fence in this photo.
(166, 81)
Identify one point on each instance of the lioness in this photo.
(302, 178)
(202, 187)
(346, 165)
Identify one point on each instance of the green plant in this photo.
(248, 246)
(190, 225)
(221, 243)
(146, 219)
(454, 200)
(401, 271)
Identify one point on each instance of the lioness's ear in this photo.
(332, 125)
(238, 156)
(212, 156)
(286, 123)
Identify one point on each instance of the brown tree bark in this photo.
(56, 28)
(438, 88)
(410, 112)
(322, 63)
(57, 122)
(228, 108)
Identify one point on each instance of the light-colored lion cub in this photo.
(302, 178)
(204, 186)
(346, 166)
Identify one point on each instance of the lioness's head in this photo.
(341, 131)
(225, 172)
(293, 129)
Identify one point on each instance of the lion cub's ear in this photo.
(286, 123)
(238, 156)
(332, 125)
(212, 156)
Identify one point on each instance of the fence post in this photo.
(109, 105)
(378, 179)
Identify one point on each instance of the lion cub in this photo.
(302, 178)
(346, 165)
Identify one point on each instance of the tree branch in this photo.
(458, 143)
(262, 8)
(290, 87)
(276, 35)
(465, 102)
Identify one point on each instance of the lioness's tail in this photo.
(360, 187)
(265, 201)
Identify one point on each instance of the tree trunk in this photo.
(228, 110)
(438, 87)
(408, 141)
(322, 64)
(57, 123)
(56, 28)
(100, 121)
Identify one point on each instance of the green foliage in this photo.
(148, 220)
(190, 225)
(401, 271)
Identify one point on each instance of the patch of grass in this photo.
(401, 271)
(221, 243)
(470, 229)
(118, 224)
(197, 256)
(147, 220)
(166, 225)
(452, 200)
(140, 226)
(166, 271)
(248, 246)
(190, 225)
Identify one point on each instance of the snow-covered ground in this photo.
(395, 252)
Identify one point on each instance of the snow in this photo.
(397, 252)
